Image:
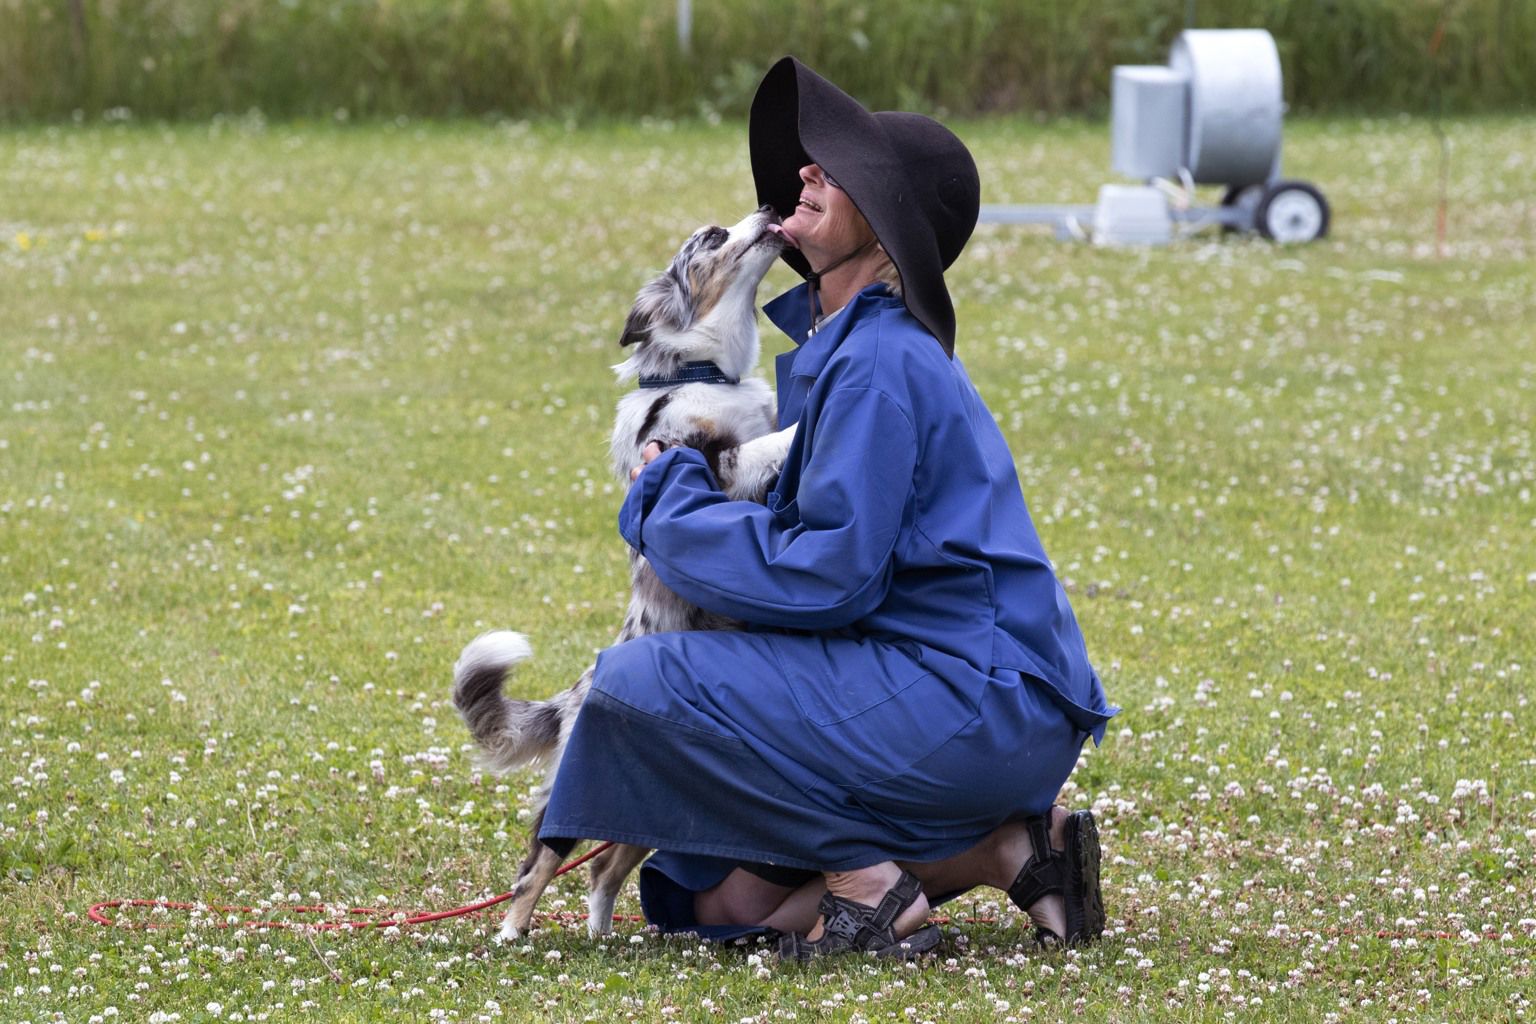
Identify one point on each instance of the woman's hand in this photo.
(649, 453)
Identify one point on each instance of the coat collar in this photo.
(789, 314)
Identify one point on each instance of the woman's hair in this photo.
(886, 272)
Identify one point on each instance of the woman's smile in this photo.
(825, 224)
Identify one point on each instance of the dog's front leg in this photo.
(749, 470)
(608, 873)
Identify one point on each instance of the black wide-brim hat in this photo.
(912, 179)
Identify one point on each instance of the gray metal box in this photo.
(1132, 215)
(1149, 107)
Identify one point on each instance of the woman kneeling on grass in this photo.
(914, 690)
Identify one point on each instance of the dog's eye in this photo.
(714, 238)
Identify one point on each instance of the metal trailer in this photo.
(1211, 116)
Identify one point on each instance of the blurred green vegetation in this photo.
(595, 58)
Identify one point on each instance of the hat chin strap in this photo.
(814, 277)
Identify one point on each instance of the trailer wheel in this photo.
(1292, 211)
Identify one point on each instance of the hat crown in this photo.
(942, 174)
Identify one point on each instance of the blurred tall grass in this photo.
(594, 58)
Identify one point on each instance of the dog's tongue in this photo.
(789, 239)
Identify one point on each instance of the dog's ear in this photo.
(637, 327)
(664, 303)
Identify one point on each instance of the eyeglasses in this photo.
(831, 180)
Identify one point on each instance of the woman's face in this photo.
(825, 225)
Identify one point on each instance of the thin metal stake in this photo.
(685, 27)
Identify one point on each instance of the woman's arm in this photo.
(821, 563)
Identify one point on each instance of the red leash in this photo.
(383, 918)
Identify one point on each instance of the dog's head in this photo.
(703, 307)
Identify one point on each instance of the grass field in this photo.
(292, 413)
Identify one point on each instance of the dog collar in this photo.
(700, 372)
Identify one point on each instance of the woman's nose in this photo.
(810, 173)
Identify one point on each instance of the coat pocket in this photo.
(850, 677)
(784, 508)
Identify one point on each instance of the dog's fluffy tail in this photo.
(511, 733)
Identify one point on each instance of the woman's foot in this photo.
(879, 910)
(1058, 886)
(1015, 847)
(868, 886)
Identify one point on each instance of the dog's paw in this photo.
(600, 912)
(753, 467)
(508, 933)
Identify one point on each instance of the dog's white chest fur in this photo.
(737, 412)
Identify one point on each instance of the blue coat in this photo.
(914, 674)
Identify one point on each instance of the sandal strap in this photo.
(1045, 873)
(796, 948)
(1039, 828)
(1082, 891)
(864, 927)
(848, 925)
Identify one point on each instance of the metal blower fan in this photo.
(1211, 116)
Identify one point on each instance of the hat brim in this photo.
(799, 118)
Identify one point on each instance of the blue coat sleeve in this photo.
(821, 561)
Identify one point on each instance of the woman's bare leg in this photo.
(799, 912)
(995, 861)
(743, 898)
